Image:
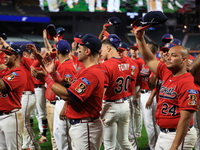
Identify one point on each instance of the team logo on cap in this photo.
(80, 88)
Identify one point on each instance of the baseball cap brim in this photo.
(80, 41)
(77, 40)
(121, 48)
(7, 51)
(108, 24)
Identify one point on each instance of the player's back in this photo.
(117, 78)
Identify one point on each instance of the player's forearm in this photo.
(147, 55)
(3, 87)
(182, 128)
(58, 89)
(47, 44)
(152, 82)
(195, 68)
(61, 91)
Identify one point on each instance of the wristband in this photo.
(56, 77)
(49, 81)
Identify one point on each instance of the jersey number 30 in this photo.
(123, 84)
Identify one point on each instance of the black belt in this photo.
(52, 102)
(171, 129)
(39, 86)
(84, 120)
(144, 91)
(117, 101)
(6, 113)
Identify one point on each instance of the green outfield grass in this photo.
(82, 6)
(142, 141)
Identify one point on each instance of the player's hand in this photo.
(1, 41)
(32, 48)
(62, 115)
(138, 94)
(149, 103)
(44, 34)
(139, 34)
(73, 45)
(39, 74)
(105, 28)
(135, 102)
(49, 64)
(55, 39)
(189, 64)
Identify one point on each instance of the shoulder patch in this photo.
(68, 75)
(80, 88)
(192, 99)
(86, 81)
(14, 73)
(192, 91)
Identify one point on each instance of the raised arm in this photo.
(147, 55)
(101, 35)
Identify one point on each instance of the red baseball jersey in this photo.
(78, 65)
(117, 78)
(16, 80)
(144, 74)
(134, 74)
(88, 87)
(176, 93)
(67, 70)
(140, 62)
(25, 64)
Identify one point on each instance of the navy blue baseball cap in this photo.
(60, 31)
(123, 46)
(114, 40)
(166, 47)
(151, 19)
(92, 42)
(166, 38)
(134, 45)
(24, 49)
(113, 21)
(63, 46)
(13, 49)
(176, 42)
(78, 36)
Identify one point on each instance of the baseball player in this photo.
(28, 104)
(60, 125)
(50, 107)
(146, 96)
(41, 115)
(84, 96)
(136, 97)
(178, 96)
(115, 112)
(12, 82)
(123, 50)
